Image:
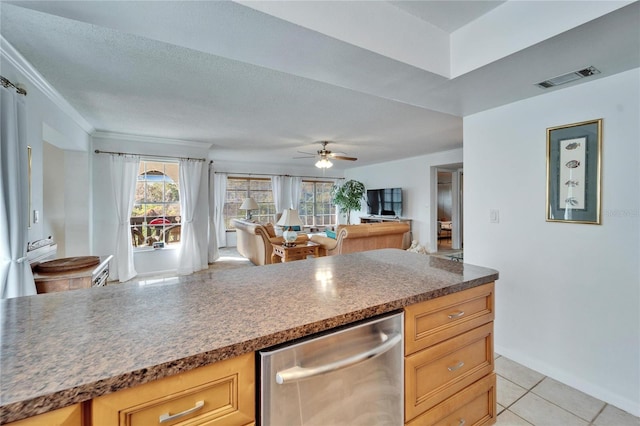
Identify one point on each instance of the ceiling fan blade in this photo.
(307, 153)
(340, 157)
(308, 156)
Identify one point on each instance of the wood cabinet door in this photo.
(67, 416)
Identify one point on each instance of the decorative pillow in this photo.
(330, 234)
(270, 230)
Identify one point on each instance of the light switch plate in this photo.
(494, 216)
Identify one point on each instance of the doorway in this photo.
(448, 217)
(444, 216)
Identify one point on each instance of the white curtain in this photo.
(16, 278)
(279, 189)
(124, 172)
(296, 187)
(190, 255)
(212, 252)
(220, 196)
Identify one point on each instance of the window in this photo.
(156, 210)
(316, 208)
(240, 188)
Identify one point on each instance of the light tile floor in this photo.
(526, 398)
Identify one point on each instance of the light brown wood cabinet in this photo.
(449, 359)
(67, 416)
(218, 394)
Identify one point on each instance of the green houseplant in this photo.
(348, 196)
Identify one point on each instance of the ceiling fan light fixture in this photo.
(323, 163)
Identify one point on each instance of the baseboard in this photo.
(156, 273)
(591, 389)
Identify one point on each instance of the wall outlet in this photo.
(494, 216)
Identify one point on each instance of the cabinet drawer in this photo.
(219, 394)
(438, 372)
(439, 319)
(472, 406)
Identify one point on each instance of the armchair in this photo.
(254, 240)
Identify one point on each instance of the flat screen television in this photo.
(384, 202)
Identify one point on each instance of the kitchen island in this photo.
(63, 348)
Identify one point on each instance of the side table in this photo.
(297, 252)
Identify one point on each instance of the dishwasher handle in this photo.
(300, 373)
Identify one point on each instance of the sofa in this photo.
(363, 237)
(254, 240)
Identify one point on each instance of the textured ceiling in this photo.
(258, 88)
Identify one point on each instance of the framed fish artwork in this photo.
(574, 163)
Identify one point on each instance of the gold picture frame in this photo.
(574, 165)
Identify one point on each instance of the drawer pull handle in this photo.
(168, 417)
(456, 315)
(455, 367)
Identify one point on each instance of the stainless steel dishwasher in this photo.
(349, 377)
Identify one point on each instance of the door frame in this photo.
(456, 171)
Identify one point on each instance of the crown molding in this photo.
(149, 139)
(23, 66)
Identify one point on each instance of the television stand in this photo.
(406, 240)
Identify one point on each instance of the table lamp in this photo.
(249, 204)
(288, 220)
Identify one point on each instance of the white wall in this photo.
(568, 297)
(77, 203)
(53, 216)
(416, 176)
(146, 260)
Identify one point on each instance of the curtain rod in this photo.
(7, 83)
(97, 151)
(273, 174)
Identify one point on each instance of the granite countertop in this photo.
(63, 348)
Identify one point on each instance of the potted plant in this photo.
(348, 196)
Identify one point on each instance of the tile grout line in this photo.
(564, 409)
(521, 396)
(598, 414)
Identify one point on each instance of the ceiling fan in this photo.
(324, 155)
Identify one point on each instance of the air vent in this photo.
(566, 78)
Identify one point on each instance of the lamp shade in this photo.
(290, 218)
(249, 204)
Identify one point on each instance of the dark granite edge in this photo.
(44, 403)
